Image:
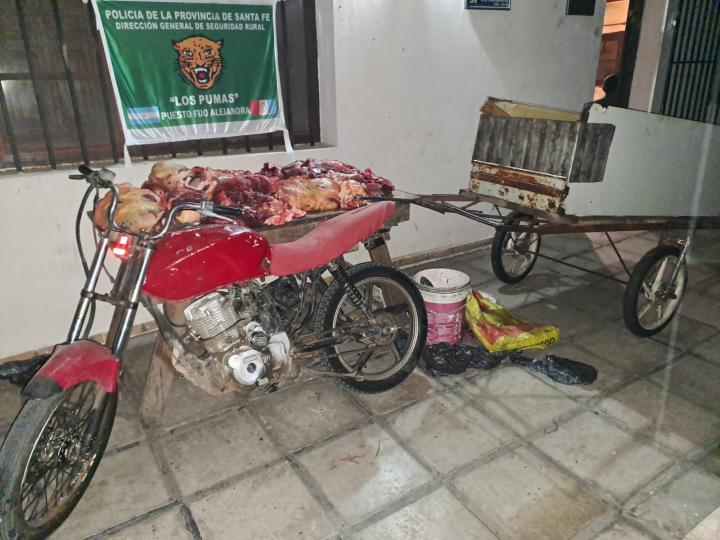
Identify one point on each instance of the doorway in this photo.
(618, 49)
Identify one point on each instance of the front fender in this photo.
(71, 364)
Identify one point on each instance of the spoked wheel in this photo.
(513, 254)
(49, 457)
(651, 299)
(383, 336)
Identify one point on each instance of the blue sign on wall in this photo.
(487, 4)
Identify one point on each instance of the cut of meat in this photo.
(259, 206)
(310, 194)
(137, 209)
(273, 196)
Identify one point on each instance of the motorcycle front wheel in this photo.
(49, 457)
(384, 349)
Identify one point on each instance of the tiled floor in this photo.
(502, 454)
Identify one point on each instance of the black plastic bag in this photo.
(445, 359)
(559, 369)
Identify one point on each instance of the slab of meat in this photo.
(273, 196)
(310, 194)
(260, 206)
(137, 209)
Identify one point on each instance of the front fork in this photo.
(125, 294)
(687, 242)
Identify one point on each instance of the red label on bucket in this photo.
(444, 322)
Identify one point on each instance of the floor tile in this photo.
(126, 428)
(212, 451)
(608, 377)
(570, 321)
(677, 508)
(528, 498)
(709, 350)
(136, 360)
(188, 403)
(664, 417)
(607, 257)
(624, 349)
(416, 386)
(623, 531)
(362, 471)
(479, 260)
(166, 526)
(701, 307)
(710, 287)
(637, 244)
(273, 504)
(569, 244)
(511, 296)
(552, 284)
(592, 299)
(438, 516)
(693, 378)
(127, 484)
(683, 333)
(589, 264)
(711, 462)
(308, 412)
(518, 398)
(602, 453)
(447, 433)
(707, 529)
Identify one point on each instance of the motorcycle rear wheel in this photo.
(401, 327)
(49, 457)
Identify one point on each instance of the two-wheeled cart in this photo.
(525, 158)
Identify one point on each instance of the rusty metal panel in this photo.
(526, 188)
(573, 150)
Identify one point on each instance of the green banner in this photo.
(191, 70)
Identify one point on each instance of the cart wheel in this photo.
(650, 299)
(514, 254)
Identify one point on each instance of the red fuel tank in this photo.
(196, 261)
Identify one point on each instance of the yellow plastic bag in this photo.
(499, 330)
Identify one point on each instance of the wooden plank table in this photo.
(161, 374)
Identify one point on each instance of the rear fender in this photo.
(73, 363)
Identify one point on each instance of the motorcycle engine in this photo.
(240, 328)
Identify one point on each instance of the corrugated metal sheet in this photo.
(573, 150)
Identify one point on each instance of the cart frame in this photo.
(533, 222)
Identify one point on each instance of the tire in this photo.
(634, 319)
(499, 244)
(17, 450)
(408, 343)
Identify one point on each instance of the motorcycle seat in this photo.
(329, 240)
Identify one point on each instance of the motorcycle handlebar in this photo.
(206, 208)
(229, 210)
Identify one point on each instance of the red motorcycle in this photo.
(231, 327)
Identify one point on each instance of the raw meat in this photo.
(137, 209)
(310, 194)
(272, 196)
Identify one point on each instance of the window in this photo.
(692, 85)
(56, 102)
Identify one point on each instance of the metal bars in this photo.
(691, 85)
(98, 137)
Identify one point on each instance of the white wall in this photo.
(409, 76)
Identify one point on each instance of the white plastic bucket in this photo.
(444, 302)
